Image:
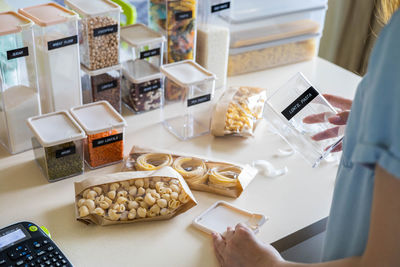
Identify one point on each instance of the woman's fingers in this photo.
(318, 118)
(329, 133)
(230, 231)
(338, 148)
(219, 246)
(339, 102)
(340, 118)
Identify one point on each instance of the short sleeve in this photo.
(378, 137)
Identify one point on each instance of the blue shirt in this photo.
(372, 137)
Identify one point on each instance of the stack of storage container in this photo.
(99, 50)
(275, 33)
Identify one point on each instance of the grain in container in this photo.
(213, 38)
(187, 99)
(99, 32)
(19, 95)
(140, 42)
(104, 127)
(176, 19)
(141, 85)
(57, 145)
(102, 84)
(57, 56)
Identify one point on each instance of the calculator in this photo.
(26, 244)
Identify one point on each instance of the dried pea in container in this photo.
(19, 95)
(103, 84)
(57, 145)
(99, 32)
(104, 127)
(140, 42)
(187, 100)
(141, 85)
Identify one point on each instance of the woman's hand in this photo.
(240, 248)
(339, 119)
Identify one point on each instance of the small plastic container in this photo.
(103, 84)
(99, 32)
(140, 42)
(104, 127)
(213, 38)
(176, 19)
(187, 99)
(19, 96)
(57, 56)
(289, 105)
(141, 85)
(57, 145)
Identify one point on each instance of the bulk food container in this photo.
(140, 42)
(104, 127)
(57, 145)
(102, 84)
(99, 32)
(19, 96)
(57, 56)
(187, 99)
(274, 34)
(141, 85)
(213, 38)
(176, 19)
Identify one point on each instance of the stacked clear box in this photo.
(57, 56)
(19, 96)
(103, 84)
(187, 99)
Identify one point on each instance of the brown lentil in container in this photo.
(107, 87)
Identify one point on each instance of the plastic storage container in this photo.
(141, 85)
(141, 42)
(57, 56)
(213, 38)
(274, 34)
(285, 111)
(57, 145)
(176, 19)
(99, 32)
(103, 84)
(104, 127)
(187, 100)
(19, 96)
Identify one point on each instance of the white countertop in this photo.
(291, 202)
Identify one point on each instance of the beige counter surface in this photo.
(291, 202)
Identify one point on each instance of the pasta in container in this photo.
(238, 111)
(129, 197)
(214, 176)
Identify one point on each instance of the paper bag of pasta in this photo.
(200, 174)
(128, 197)
(238, 111)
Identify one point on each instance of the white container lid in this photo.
(98, 117)
(140, 71)
(92, 7)
(137, 35)
(55, 128)
(100, 71)
(186, 73)
(222, 214)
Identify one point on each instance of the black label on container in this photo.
(183, 15)
(198, 100)
(16, 53)
(150, 53)
(149, 88)
(300, 103)
(105, 30)
(62, 42)
(220, 7)
(106, 86)
(107, 140)
(65, 152)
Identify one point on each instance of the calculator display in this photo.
(11, 236)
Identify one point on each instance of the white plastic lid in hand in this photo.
(55, 128)
(138, 35)
(98, 117)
